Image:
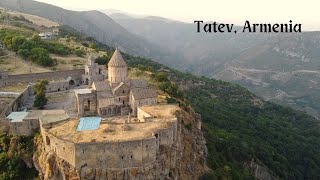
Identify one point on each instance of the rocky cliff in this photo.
(190, 152)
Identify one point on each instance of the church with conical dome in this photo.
(113, 93)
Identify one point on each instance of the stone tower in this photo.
(117, 69)
(92, 72)
(91, 60)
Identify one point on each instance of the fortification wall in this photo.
(21, 128)
(184, 159)
(168, 135)
(120, 155)
(26, 78)
(18, 102)
(62, 148)
(117, 156)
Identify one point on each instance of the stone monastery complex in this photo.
(103, 123)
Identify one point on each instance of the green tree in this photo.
(17, 41)
(80, 52)
(102, 60)
(41, 99)
(161, 76)
(36, 38)
(92, 46)
(24, 53)
(41, 56)
(8, 41)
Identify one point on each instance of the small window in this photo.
(48, 141)
(119, 99)
(123, 91)
(131, 156)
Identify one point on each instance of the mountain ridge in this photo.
(95, 24)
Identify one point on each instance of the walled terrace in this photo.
(119, 142)
(116, 129)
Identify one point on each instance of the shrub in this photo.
(80, 52)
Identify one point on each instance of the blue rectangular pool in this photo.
(89, 123)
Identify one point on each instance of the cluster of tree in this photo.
(240, 127)
(33, 49)
(80, 52)
(103, 60)
(40, 91)
(68, 32)
(13, 149)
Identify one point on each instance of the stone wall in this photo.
(180, 154)
(140, 102)
(3, 76)
(136, 156)
(56, 86)
(25, 128)
(143, 116)
(63, 148)
(125, 154)
(18, 102)
(27, 78)
(89, 99)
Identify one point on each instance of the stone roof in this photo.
(101, 86)
(36, 114)
(105, 94)
(52, 118)
(120, 85)
(138, 83)
(143, 93)
(117, 60)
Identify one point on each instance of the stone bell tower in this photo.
(117, 69)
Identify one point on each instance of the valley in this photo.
(227, 131)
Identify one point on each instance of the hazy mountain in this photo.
(95, 24)
(182, 37)
(117, 11)
(279, 67)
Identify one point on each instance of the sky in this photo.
(305, 12)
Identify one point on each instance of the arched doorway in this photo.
(71, 82)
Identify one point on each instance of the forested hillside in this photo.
(239, 126)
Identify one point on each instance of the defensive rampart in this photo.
(8, 80)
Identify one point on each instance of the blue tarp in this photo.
(89, 123)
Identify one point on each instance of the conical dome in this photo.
(117, 60)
